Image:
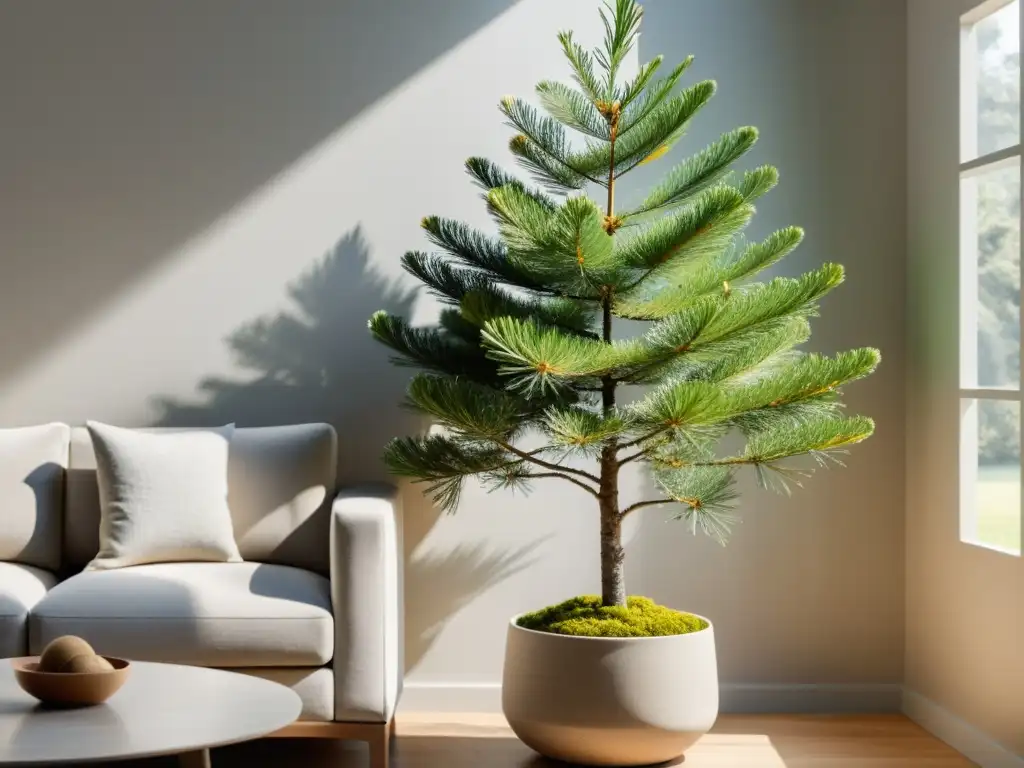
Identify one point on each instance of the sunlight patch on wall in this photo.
(398, 161)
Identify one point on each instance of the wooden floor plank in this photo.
(738, 741)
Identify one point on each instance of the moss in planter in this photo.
(584, 616)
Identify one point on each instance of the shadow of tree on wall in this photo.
(315, 361)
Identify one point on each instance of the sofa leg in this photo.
(380, 745)
(199, 758)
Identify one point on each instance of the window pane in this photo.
(990, 340)
(997, 71)
(995, 518)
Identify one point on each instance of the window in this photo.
(990, 288)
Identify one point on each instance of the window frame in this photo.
(970, 397)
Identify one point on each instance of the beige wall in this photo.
(965, 604)
(201, 203)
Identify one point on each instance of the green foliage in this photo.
(639, 108)
(572, 109)
(487, 175)
(680, 406)
(697, 173)
(582, 66)
(443, 463)
(430, 348)
(647, 138)
(567, 248)
(581, 429)
(706, 495)
(814, 436)
(585, 616)
(466, 246)
(809, 382)
(696, 233)
(524, 347)
(537, 357)
(619, 35)
(468, 408)
(487, 303)
(659, 298)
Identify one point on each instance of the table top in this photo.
(161, 709)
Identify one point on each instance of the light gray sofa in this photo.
(315, 606)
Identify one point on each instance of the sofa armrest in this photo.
(366, 592)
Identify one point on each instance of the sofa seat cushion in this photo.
(21, 588)
(204, 614)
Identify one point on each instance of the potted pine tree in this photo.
(525, 348)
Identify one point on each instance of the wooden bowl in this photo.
(70, 689)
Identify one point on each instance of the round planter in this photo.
(610, 700)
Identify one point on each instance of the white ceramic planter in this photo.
(610, 701)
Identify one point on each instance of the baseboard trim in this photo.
(809, 698)
(738, 698)
(972, 743)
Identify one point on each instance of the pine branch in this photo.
(572, 108)
(819, 437)
(620, 35)
(700, 231)
(568, 248)
(432, 349)
(448, 283)
(670, 293)
(643, 438)
(582, 66)
(652, 97)
(487, 175)
(752, 355)
(581, 430)
(695, 174)
(680, 405)
(649, 139)
(547, 136)
(442, 462)
(634, 456)
(572, 480)
(454, 324)
(547, 465)
(539, 358)
(642, 504)
(487, 303)
(636, 86)
(721, 325)
(470, 409)
(758, 182)
(708, 495)
(552, 173)
(478, 251)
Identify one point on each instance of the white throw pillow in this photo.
(163, 496)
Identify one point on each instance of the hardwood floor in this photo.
(738, 741)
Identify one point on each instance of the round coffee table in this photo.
(162, 709)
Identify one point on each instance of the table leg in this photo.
(199, 758)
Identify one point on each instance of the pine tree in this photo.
(525, 344)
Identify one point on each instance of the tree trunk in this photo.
(613, 585)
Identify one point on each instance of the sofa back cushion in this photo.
(32, 464)
(281, 483)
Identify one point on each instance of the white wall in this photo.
(201, 204)
(965, 612)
